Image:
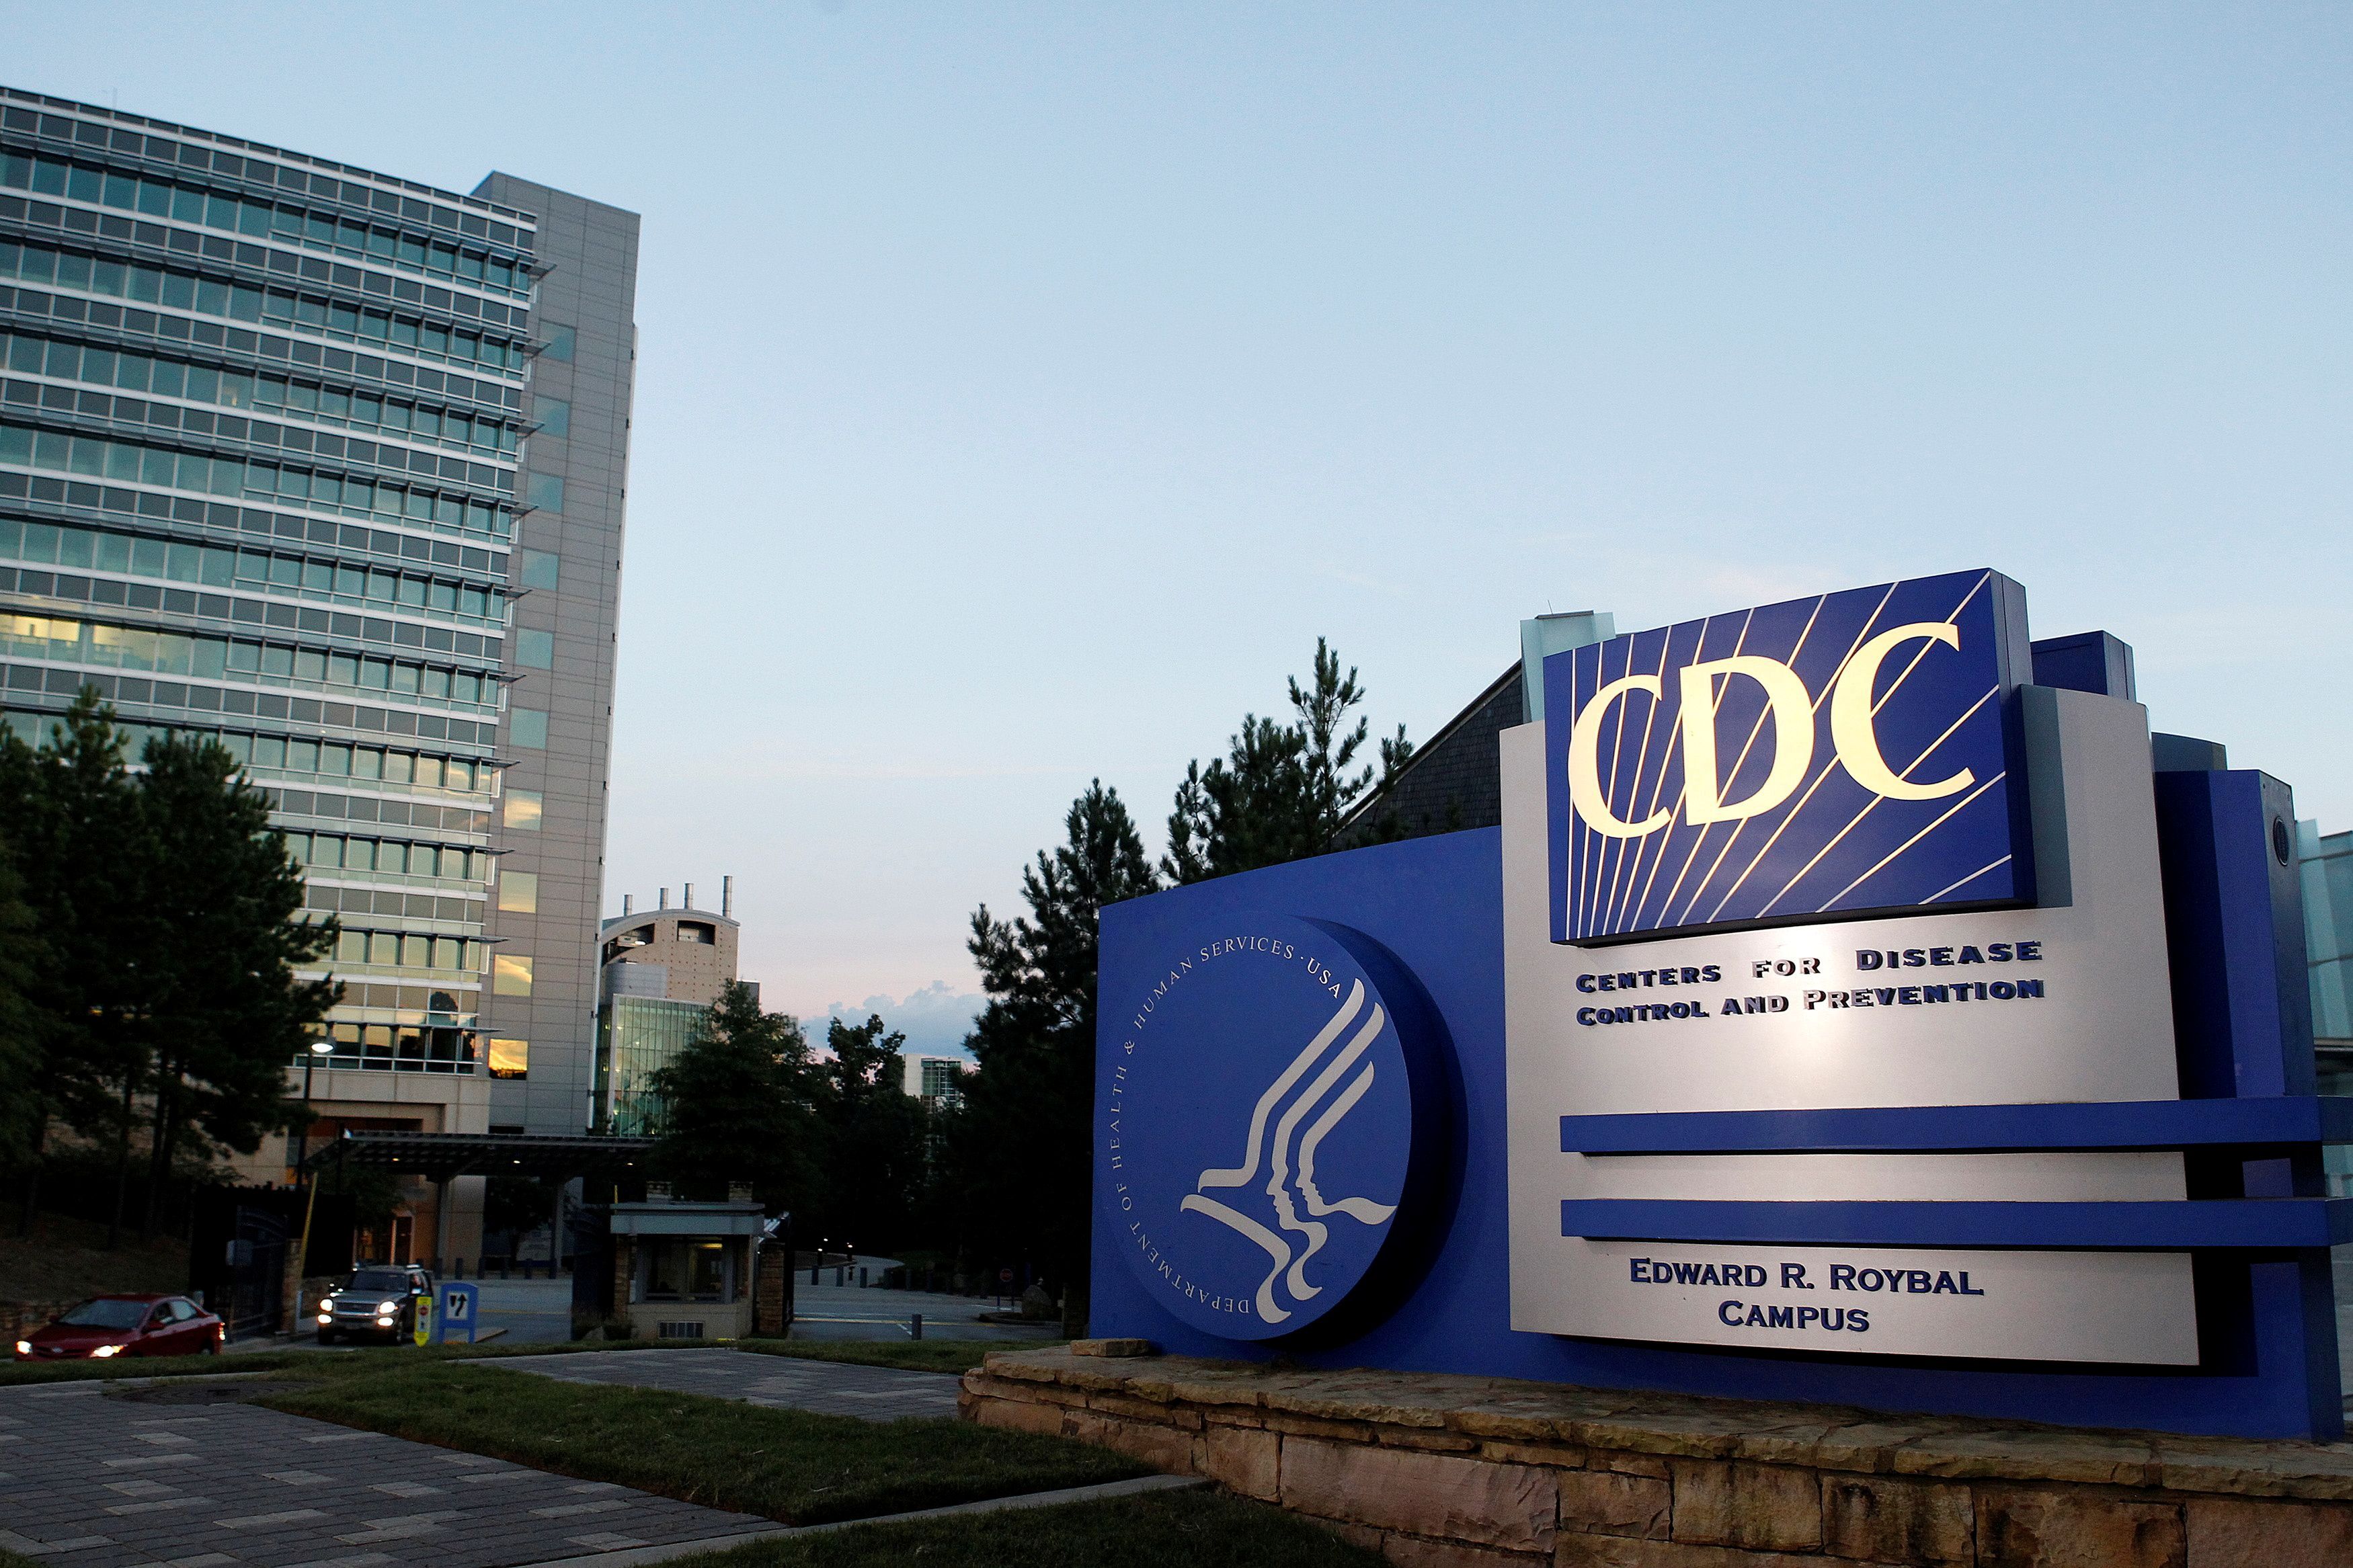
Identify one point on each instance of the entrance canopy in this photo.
(439, 1157)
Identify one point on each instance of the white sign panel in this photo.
(2068, 1001)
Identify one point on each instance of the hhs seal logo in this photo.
(1272, 1128)
(1852, 754)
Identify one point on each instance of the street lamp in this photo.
(318, 1047)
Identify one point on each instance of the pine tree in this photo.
(227, 1013)
(161, 987)
(20, 1046)
(1281, 791)
(1020, 1143)
(80, 851)
(875, 1132)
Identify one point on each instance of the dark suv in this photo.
(377, 1301)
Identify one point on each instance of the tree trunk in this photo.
(121, 1167)
(161, 1147)
(29, 1211)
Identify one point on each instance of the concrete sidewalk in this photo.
(90, 1479)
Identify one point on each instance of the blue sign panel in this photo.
(1357, 1111)
(1273, 1123)
(1850, 754)
(459, 1312)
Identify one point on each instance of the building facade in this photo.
(937, 1080)
(326, 465)
(565, 578)
(2324, 866)
(661, 970)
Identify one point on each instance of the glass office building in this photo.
(663, 969)
(319, 462)
(642, 1035)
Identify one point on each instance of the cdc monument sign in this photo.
(1855, 1002)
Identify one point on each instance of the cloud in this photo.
(935, 1019)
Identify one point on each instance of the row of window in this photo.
(64, 361)
(396, 770)
(335, 759)
(375, 1000)
(261, 345)
(408, 949)
(172, 421)
(109, 597)
(221, 161)
(52, 545)
(66, 639)
(208, 209)
(388, 1047)
(177, 290)
(337, 852)
(137, 462)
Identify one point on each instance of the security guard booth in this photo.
(685, 1269)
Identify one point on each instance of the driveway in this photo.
(93, 1481)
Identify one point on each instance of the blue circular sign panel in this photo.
(1270, 1133)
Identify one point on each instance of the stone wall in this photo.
(625, 1273)
(1464, 1472)
(771, 1269)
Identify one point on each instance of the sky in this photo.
(1024, 388)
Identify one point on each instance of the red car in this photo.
(126, 1325)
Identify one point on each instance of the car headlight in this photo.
(24, 1347)
(387, 1306)
(104, 1351)
(326, 1316)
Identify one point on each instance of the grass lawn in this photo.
(786, 1465)
(1197, 1529)
(911, 1355)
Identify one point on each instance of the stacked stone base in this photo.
(1463, 1472)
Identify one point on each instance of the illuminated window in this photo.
(519, 891)
(510, 1058)
(522, 808)
(510, 974)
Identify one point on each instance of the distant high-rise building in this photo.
(937, 1080)
(328, 465)
(662, 969)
